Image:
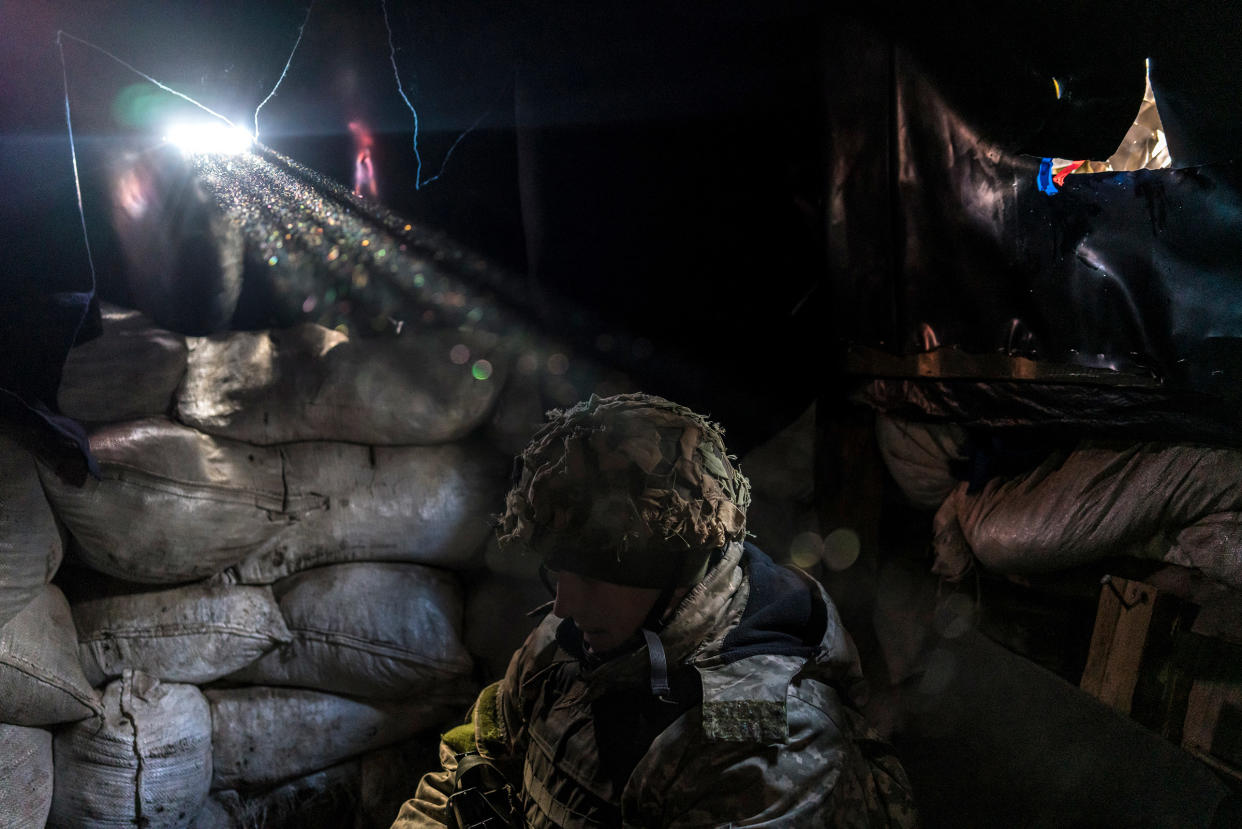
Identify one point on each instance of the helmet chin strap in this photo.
(652, 626)
(659, 664)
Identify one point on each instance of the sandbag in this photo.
(175, 505)
(1097, 500)
(132, 370)
(920, 457)
(184, 254)
(147, 763)
(41, 679)
(312, 383)
(1212, 545)
(498, 618)
(389, 777)
(262, 735)
(325, 799)
(417, 504)
(376, 630)
(214, 815)
(195, 633)
(25, 776)
(520, 411)
(30, 544)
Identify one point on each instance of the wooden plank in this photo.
(1106, 615)
(1118, 643)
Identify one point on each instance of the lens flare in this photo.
(208, 138)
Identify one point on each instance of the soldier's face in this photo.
(607, 614)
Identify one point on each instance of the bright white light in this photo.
(209, 138)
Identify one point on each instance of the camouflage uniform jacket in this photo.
(758, 735)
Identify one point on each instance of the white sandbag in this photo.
(520, 411)
(1096, 501)
(312, 383)
(25, 776)
(132, 370)
(1213, 545)
(214, 815)
(147, 763)
(417, 504)
(498, 618)
(367, 629)
(386, 775)
(30, 544)
(175, 505)
(184, 252)
(41, 679)
(196, 633)
(326, 799)
(920, 457)
(262, 735)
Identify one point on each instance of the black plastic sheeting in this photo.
(1056, 410)
(750, 187)
(940, 236)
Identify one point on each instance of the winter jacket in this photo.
(759, 727)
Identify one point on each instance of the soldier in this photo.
(682, 678)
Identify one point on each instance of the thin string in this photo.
(132, 68)
(284, 72)
(77, 183)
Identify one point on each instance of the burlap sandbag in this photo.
(499, 616)
(1095, 501)
(132, 370)
(262, 735)
(325, 799)
(147, 763)
(195, 633)
(367, 629)
(312, 383)
(214, 815)
(25, 776)
(520, 409)
(921, 457)
(30, 544)
(418, 504)
(41, 679)
(175, 505)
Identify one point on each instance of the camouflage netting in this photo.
(631, 489)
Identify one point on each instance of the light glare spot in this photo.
(208, 138)
(806, 549)
(528, 363)
(459, 354)
(841, 549)
(482, 370)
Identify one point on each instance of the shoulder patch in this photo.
(745, 721)
(745, 701)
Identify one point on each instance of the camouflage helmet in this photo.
(630, 489)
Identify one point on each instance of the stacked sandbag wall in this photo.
(282, 571)
(1172, 501)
